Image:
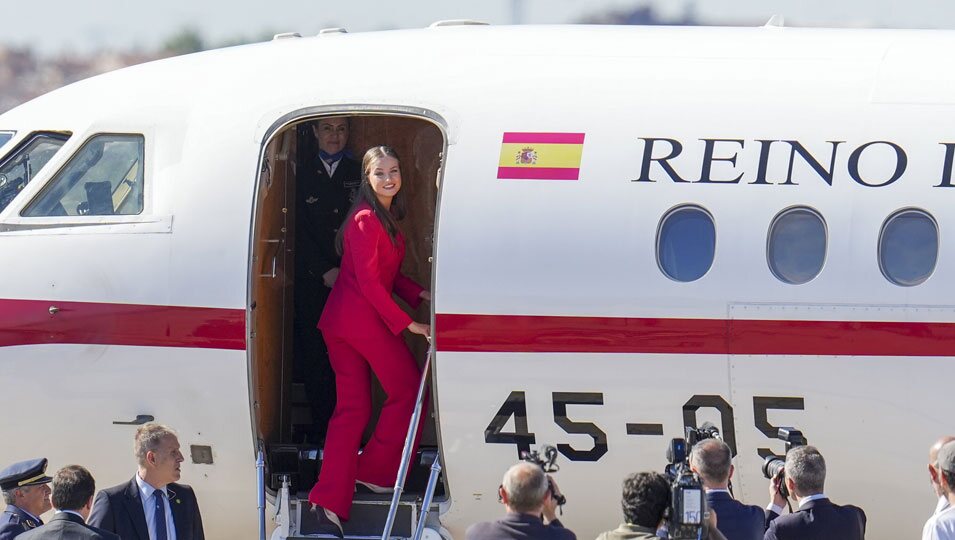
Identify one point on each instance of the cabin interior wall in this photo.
(419, 145)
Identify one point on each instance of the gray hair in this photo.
(148, 438)
(806, 466)
(9, 497)
(526, 487)
(712, 458)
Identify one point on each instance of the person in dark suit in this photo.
(712, 460)
(27, 495)
(646, 497)
(325, 189)
(817, 517)
(531, 510)
(73, 489)
(151, 506)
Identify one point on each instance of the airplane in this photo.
(626, 230)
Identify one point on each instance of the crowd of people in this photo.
(528, 495)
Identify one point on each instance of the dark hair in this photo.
(389, 218)
(646, 496)
(73, 487)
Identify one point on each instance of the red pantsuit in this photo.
(362, 326)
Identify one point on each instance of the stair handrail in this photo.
(260, 477)
(428, 497)
(409, 446)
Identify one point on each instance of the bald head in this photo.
(525, 487)
(712, 460)
(933, 458)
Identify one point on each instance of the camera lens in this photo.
(772, 465)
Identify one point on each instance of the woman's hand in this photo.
(420, 329)
(425, 295)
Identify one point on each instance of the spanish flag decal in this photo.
(541, 156)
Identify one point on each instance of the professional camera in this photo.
(687, 511)
(775, 466)
(546, 459)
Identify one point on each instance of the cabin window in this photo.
(796, 248)
(908, 247)
(5, 137)
(686, 243)
(104, 178)
(23, 164)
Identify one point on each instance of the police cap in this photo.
(31, 472)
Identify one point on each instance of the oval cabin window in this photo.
(908, 247)
(686, 243)
(796, 248)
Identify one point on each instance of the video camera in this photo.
(546, 459)
(775, 466)
(687, 512)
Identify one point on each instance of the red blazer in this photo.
(361, 303)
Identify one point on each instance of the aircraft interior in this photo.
(280, 408)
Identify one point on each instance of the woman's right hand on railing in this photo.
(420, 329)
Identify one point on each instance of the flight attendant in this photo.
(362, 327)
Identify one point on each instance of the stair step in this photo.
(368, 516)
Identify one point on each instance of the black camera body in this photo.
(775, 466)
(546, 459)
(687, 512)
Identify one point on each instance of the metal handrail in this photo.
(428, 497)
(409, 446)
(260, 469)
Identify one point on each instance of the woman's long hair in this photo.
(388, 218)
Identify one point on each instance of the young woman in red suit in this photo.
(362, 327)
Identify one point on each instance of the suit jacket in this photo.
(817, 520)
(322, 203)
(737, 521)
(66, 526)
(119, 509)
(516, 526)
(14, 522)
(361, 303)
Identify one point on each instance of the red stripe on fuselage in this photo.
(518, 333)
(29, 322)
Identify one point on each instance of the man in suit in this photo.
(817, 518)
(325, 189)
(27, 495)
(151, 506)
(941, 526)
(531, 510)
(73, 489)
(935, 480)
(712, 460)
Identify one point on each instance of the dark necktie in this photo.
(160, 516)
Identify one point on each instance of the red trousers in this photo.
(353, 360)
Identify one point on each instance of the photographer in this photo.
(646, 497)
(817, 518)
(531, 509)
(712, 460)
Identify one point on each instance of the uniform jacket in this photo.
(119, 509)
(628, 531)
(361, 302)
(516, 526)
(66, 526)
(737, 521)
(817, 520)
(322, 202)
(14, 522)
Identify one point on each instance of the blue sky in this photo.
(62, 25)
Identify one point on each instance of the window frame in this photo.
(660, 224)
(769, 237)
(49, 184)
(17, 144)
(938, 244)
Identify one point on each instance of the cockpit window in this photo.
(24, 163)
(5, 137)
(104, 178)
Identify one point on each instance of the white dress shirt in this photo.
(149, 508)
(330, 168)
(779, 509)
(55, 512)
(941, 526)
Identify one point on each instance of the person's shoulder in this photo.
(482, 529)
(183, 491)
(103, 534)
(563, 533)
(364, 217)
